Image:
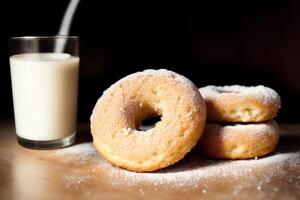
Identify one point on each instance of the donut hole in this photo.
(148, 122)
(147, 117)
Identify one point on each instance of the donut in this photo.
(123, 106)
(238, 141)
(240, 103)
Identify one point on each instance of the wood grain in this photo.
(34, 174)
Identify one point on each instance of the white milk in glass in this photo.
(45, 87)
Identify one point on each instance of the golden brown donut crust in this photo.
(240, 103)
(120, 109)
(238, 141)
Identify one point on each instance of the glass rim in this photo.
(45, 37)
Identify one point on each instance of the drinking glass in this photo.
(44, 76)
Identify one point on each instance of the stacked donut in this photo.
(240, 121)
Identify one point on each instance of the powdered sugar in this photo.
(264, 94)
(197, 172)
(159, 72)
(75, 180)
(194, 172)
(81, 154)
(151, 72)
(186, 83)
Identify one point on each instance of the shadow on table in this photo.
(193, 161)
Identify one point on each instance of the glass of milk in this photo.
(44, 75)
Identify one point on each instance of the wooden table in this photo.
(35, 174)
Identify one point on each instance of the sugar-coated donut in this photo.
(238, 141)
(122, 107)
(240, 103)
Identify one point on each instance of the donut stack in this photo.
(240, 121)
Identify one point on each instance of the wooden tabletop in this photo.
(37, 174)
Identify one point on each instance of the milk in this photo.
(45, 95)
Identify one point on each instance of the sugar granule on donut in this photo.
(240, 103)
(151, 93)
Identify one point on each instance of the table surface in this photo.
(37, 174)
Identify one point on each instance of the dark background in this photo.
(248, 43)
